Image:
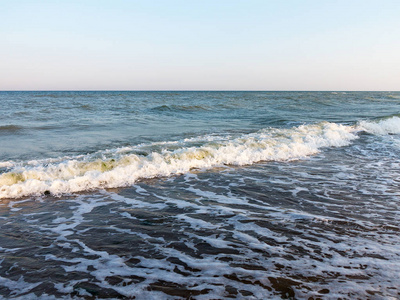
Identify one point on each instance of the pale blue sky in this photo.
(200, 45)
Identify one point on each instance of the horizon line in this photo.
(89, 90)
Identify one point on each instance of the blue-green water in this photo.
(200, 194)
(50, 124)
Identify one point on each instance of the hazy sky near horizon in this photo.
(200, 45)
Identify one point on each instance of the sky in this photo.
(200, 45)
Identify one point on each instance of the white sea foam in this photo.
(121, 169)
(382, 127)
(6, 164)
(248, 249)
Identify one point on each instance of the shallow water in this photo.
(200, 194)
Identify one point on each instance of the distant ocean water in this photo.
(207, 195)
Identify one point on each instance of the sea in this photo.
(199, 195)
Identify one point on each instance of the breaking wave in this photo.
(384, 126)
(123, 166)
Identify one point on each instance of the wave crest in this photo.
(10, 128)
(180, 108)
(122, 168)
(385, 126)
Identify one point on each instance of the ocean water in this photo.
(201, 195)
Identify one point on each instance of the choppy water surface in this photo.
(201, 195)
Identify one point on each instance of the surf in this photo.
(124, 166)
